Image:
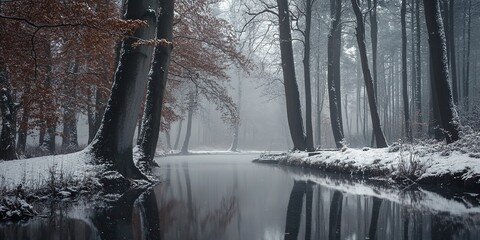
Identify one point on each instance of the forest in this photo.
(100, 96)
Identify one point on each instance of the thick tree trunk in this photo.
(307, 76)
(408, 129)
(294, 111)
(191, 107)
(113, 142)
(377, 128)
(453, 53)
(334, 49)
(442, 97)
(157, 82)
(9, 117)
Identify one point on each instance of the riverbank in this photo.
(25, 183)
(427, 163)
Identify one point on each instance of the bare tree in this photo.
(294, 112)
(377, 128)
(408, 129)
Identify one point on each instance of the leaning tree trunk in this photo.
(406, 110)
(306, 70)
(294, 111)
(157, 81)
(9, 115)
(377, 128)
(442, 99)
(113, 141)
(334, 48)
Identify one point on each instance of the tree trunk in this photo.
(377, 128)
(157, 81)
(334, 49)
(453, 53)
(414, 67)
(307, 76)
(442, 97)
(113, 142)
(234, 145)
(418, 81)
(23, 131)
(179, 133)
(467, 58)
(9, 117)
(294, 111)
(191, 107)
(69, 136)
(167, 136)
(408, 129)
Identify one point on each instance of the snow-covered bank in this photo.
(447, 165)
(60, 177)
(35, 173)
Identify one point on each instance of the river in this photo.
(221, 196)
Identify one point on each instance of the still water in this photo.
(228, 197)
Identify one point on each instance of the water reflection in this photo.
(227, 197)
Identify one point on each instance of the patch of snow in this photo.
(34, 173)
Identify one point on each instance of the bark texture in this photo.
(113, 141)
(377, 128)
(442, 96)
(333, 82)
(294, 112)
(157, 82)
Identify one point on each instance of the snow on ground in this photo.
(420, 163)
(35, 173)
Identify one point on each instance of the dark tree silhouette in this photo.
(157, 81)
(334, 50)
(335, 218)
(294, 112)
(113, 142)
(294, 210)
(377, 128)
(408, 128)
(9, 116)
(442, 96)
